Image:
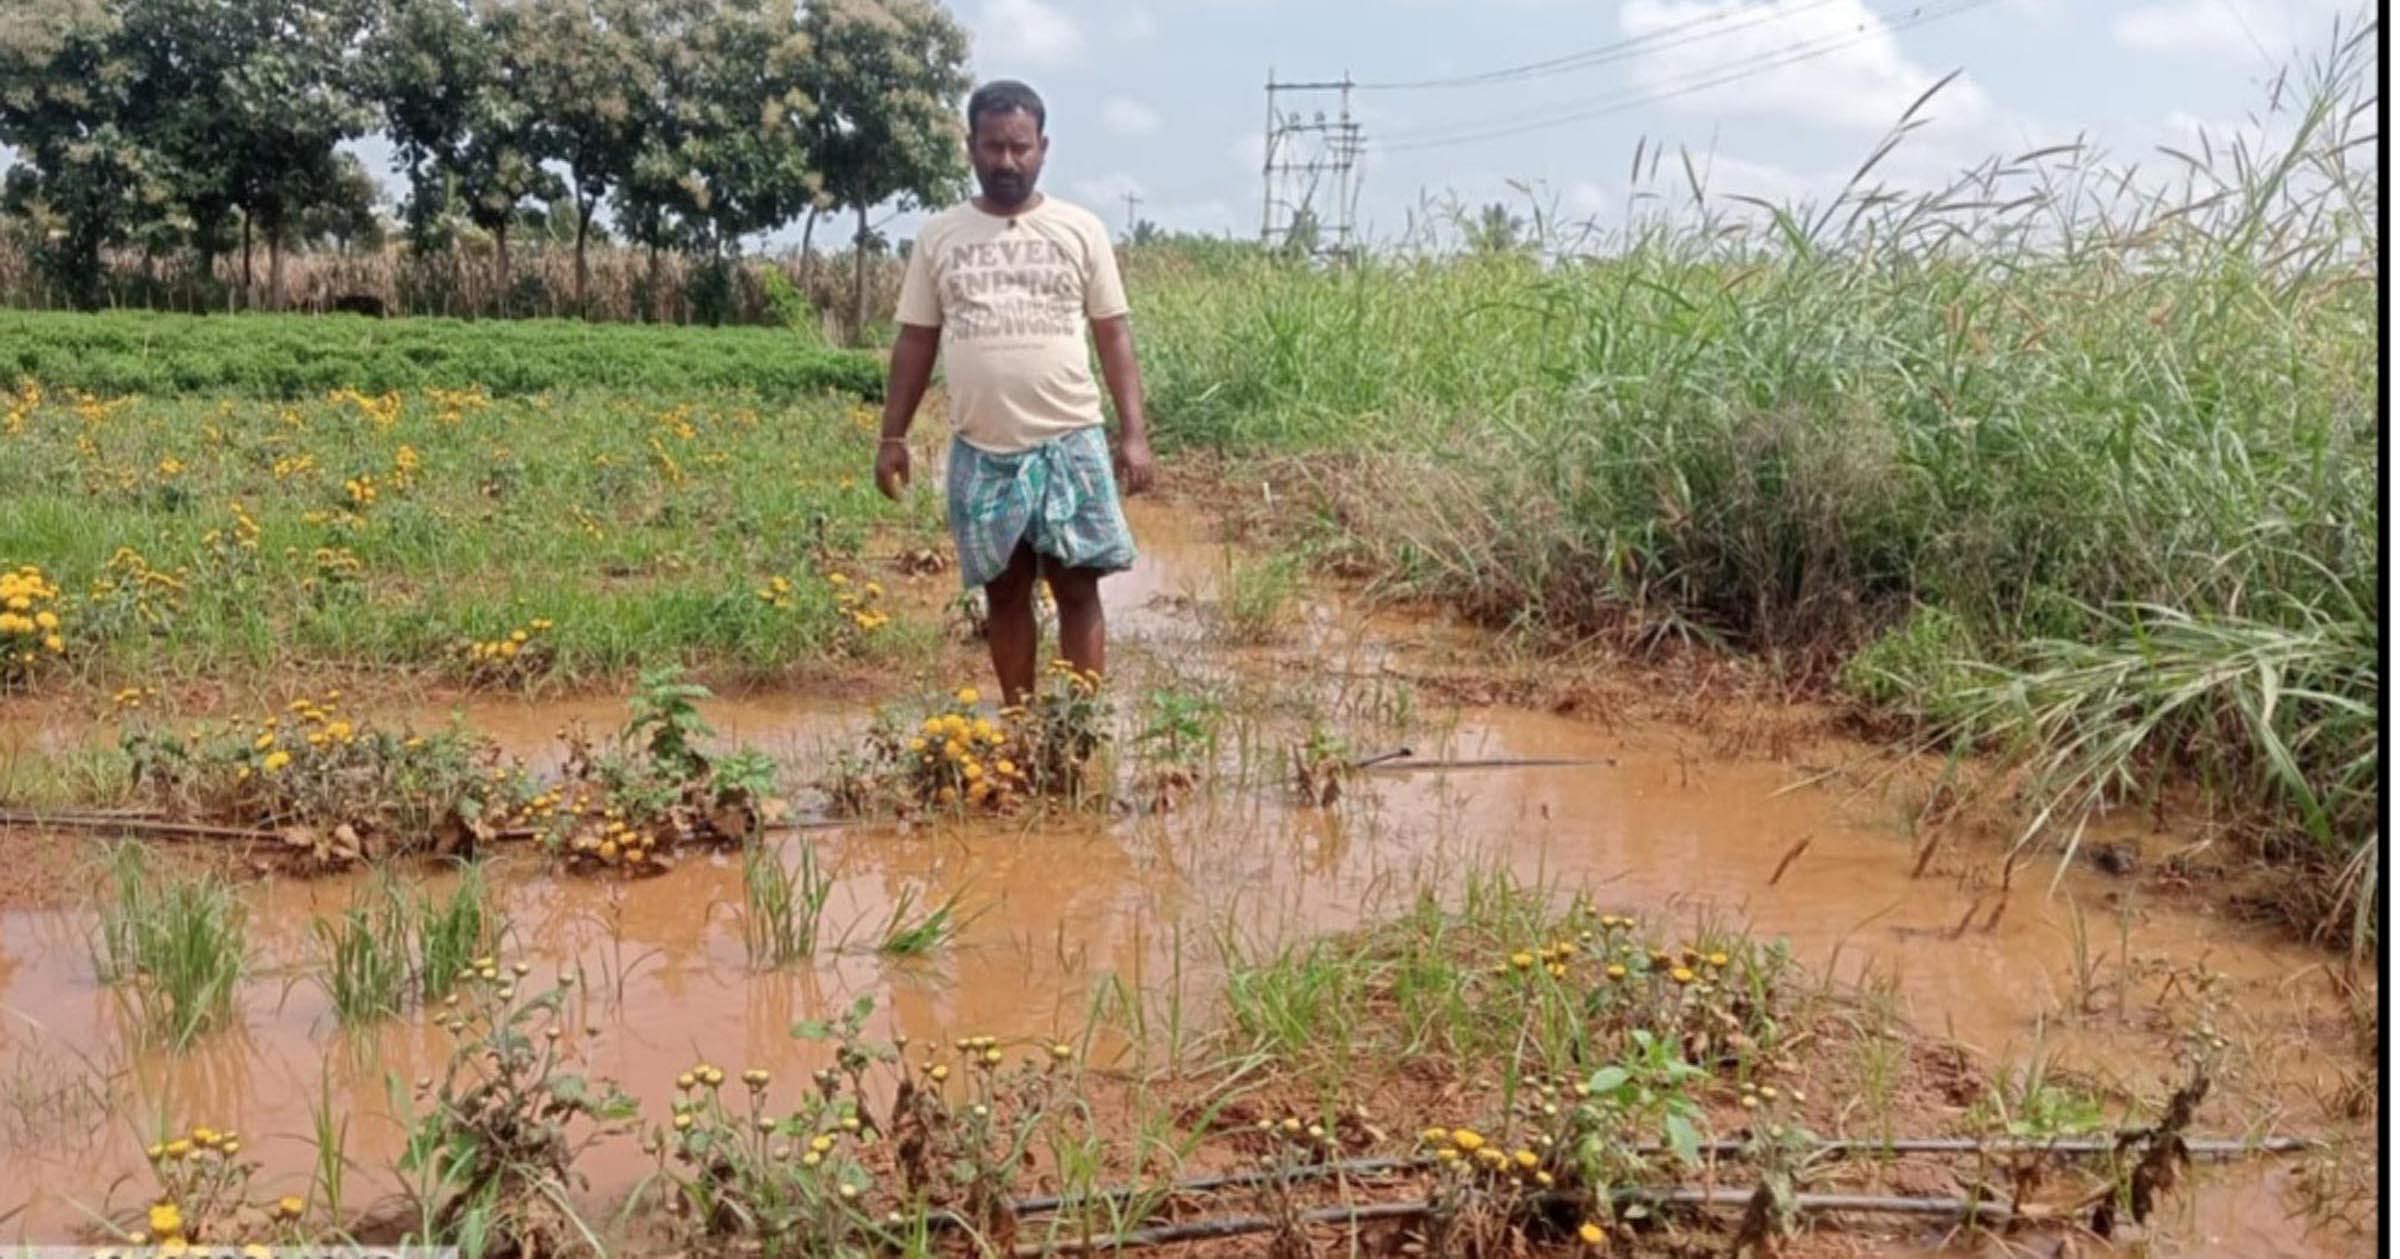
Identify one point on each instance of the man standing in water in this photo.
(1005, 286)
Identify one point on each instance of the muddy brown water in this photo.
(1652, 822)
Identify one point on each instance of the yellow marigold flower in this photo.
(290, 1206)
(1682, 975)
(45, 619)
(968, 695)
(56, 644)
(166, 1219)
(1521, 960)
(1718, 960)
(1616, 970)
(1467, 1139)
(1527, 1160)
(1590, 1234)
(821, 1143)
(275, 761)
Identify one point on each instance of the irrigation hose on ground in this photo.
(1241, 1225)
(2212, 1148)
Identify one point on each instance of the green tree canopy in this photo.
(887, 78)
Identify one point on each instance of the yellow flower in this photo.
(1590, 1234)
(1527, 1160)
(1718, 960)
(1521, 960)
(55, 644)
(166, 1219)
(276, 760)
(1467, 1139)
(967, 695)
(46, 620)
(1682, 975)
(290, 1207)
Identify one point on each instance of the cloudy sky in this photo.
(1774, 98)
(1777, 99)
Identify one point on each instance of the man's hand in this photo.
(912, 367)
(891, 468)
(1135, 468)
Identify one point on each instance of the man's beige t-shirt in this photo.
(1014, 297)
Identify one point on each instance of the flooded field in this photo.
(1116, 934)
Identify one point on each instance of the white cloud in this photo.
(1134, 24)
(1024, 32)
(1862, 80)
(1585, 199)
(2243, 32)
(1127, 117)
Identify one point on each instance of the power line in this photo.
(1689, 31)
(1731, 72)
(1897, 18)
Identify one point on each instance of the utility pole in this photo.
(1309, 174)
(1132, 199)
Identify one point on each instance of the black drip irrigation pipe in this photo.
(1368, 1213)
(2219, 1149)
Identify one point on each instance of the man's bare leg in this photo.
(1082, 625)
(1009, 626)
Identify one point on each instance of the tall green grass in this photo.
(395, 941)
(176, 948)
(2032, 402)
(783, 904)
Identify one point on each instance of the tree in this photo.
(1496, 232)
(585, 64)
(282, 93)
(68, 92)
(657, 190)
(459, 108)
(344, 211)
(752, 100)
(887, 78)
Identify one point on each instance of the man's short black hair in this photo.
(1004, 96)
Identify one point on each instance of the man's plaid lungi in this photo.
(1060, 496)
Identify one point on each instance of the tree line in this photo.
(189, 129)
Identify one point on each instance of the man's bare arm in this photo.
(1113, 337)
(912, 370)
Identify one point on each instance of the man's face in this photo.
(1007, 149)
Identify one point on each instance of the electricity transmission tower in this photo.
(1310, 172)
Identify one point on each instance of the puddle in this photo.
(1649, 822)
